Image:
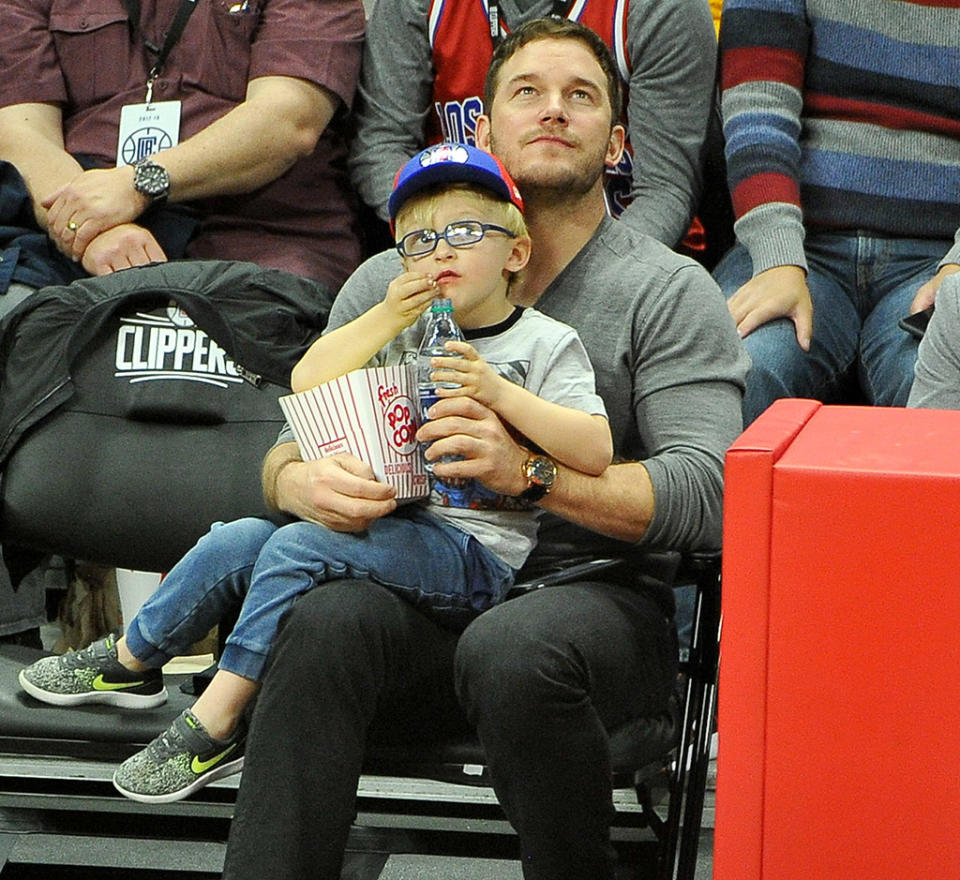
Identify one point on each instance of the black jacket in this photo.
(264, 319)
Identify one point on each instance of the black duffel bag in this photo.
(135, 409)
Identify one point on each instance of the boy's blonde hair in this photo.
(417, 211)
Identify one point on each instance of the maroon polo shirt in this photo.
(79, 54)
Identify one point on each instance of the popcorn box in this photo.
(371, 413)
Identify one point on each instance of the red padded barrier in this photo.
(839, 710)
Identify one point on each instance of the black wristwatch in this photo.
(540, 473)
(151, 179)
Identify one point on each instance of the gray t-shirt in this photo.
(936, 383)
(669, 367)
(536, 352)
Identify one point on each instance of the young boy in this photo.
(460, 231)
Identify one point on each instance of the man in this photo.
(542, 676)
(843, 154)
(240, 156)
(234, 112)
(422, 81)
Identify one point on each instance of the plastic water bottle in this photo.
(441, 328)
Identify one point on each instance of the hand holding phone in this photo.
(916, 324)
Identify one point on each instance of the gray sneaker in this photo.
(179, 762)
(92, 675)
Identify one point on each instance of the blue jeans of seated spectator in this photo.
(260, 568)
(860, 285)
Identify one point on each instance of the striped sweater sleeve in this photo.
(763, 47)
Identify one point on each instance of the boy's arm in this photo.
(352, 345)
(347, 348)
(574, 437)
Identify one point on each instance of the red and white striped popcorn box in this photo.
(370, 413)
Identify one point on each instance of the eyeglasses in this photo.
(461, 234)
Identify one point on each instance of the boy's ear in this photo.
(519, 254)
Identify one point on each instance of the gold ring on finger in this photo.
(73, 226)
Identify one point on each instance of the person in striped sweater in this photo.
(842, 128)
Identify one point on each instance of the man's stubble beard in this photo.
(574, 183)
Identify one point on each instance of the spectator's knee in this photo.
(342, 622)
(506, 672)
(249, 531)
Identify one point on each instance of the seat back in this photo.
(158, 429)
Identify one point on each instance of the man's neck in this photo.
(559, 229)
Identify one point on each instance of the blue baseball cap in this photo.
(452, 163)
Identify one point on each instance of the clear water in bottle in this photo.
(441, 328)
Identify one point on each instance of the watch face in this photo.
(541, 473)
(151, 179)
(541, 470)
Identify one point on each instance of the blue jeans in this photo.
(861, 285)
(261, 568)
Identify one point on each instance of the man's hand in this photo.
(462, 426)
(780, 292)
(927, 293)
(93, 202)
(339, 492)
(120, 248)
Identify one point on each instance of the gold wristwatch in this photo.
(540, 473)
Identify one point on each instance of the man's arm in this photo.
(937, 382)
(618, 503)
(672, 48)
(393, 98)
(31, 139)
(339, 492)
(257, 141)
(762, 102)
(686, 398)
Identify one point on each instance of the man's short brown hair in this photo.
(555, 29)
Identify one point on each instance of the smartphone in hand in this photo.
(916, 324)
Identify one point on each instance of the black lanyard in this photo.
(184, 11)
(561, 9)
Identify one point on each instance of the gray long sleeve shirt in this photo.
(671, 46)
(669, 367)
(936, 383)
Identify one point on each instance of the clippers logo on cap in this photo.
(444, 153)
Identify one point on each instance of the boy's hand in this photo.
(477, 379)
(408, 296)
